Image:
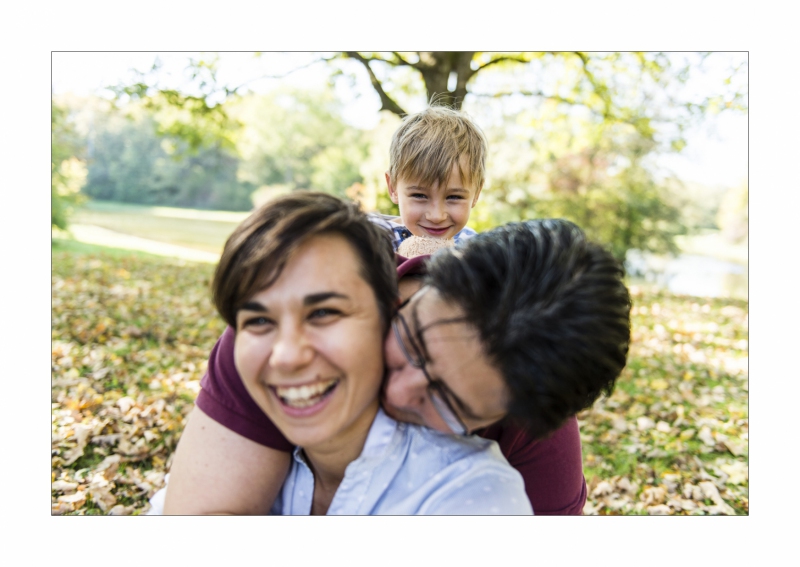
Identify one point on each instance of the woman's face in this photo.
(309, 347)
(453, 356)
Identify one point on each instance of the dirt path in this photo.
(91, 234)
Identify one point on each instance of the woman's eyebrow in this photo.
(253, 306)
(312, 299)
(320, 297)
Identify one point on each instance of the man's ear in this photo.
(392, 188)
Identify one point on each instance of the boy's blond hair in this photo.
(427, 145)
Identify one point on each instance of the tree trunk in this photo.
(436, 68)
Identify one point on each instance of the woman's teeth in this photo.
(304, 396)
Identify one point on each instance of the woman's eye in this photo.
(256, 322)
(323, 313)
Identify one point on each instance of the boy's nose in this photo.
(436, 213)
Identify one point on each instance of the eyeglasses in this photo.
(435, 388)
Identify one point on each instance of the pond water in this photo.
(689, 274)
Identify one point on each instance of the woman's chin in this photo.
(318, 423)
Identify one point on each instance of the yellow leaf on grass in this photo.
(659, 384)
(645, 423)
(737, 472)
(76, 499)
(102, 496)
(64, 486)
(736, 446)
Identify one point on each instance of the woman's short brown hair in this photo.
(259, 248)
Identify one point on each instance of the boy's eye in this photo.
(455, 198)
(419, 196)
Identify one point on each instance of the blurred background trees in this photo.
(571, 134)
(67, 169)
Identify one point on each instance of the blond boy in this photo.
(436, 173)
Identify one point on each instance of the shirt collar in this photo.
(378, 439)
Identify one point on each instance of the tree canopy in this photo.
(572, 134)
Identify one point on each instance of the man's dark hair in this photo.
(259, 248)
(552, 312)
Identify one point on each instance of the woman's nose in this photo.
(291, 350)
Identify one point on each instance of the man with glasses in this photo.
(511, 334)
(439, 394)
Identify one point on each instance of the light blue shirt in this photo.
(400, 232)
(407, 469)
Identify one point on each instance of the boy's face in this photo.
(435, 211)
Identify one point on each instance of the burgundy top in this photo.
(552, 467)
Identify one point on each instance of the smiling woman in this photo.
(308, 349)
(308, 283)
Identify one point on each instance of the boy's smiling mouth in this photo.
(436, 231)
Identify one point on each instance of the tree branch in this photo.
(386, 101)
(498, 60)
(284, 75)
(607, 115)
(599, 89)
(529, 93)
(401, 59)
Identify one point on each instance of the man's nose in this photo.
(291, 349)
(406, 388)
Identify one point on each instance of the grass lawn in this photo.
(198, 229)
(131, 334)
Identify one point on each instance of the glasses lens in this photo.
(446, 413)
(407, 345)
(413, 355)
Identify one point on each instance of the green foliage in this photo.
(733, 214)
(293, 139)
(196, 119)
(572, 134)
(132, 163)
(547, 164)
(298, 140)
(67, 170)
